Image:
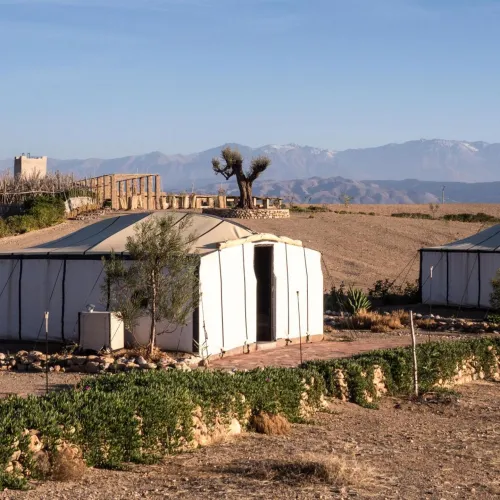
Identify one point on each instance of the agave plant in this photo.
(356, 300)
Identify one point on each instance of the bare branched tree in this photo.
(15, 189)
(233, 166)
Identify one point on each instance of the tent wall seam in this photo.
(287, 290)
(307, 291)
(221, 301)
(245, 291)
(20, 297)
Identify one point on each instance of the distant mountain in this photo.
(331, 190)
(427, 160)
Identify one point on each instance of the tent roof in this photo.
(484, 241)
(111, 235)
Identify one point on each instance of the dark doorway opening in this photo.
(263, 266)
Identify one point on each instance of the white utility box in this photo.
(100, 330)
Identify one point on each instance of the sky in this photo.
(107, 78)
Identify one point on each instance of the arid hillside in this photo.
(360, 249)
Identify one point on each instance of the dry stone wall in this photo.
(239, 213)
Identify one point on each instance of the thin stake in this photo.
(414, 349)
(300, 327)
(46, 352)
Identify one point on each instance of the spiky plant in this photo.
(356, 300)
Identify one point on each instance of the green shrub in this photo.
(145, 415)
(4, 228)
(412, 215)
(356, 300)
(351, 300)
(479, 217)
(47, 210)
(437, 361)
(20, 224)
(386, 292)
(38, 212)
(310, 208)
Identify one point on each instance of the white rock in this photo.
(140, 361)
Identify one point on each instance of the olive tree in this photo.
(160, 280)
(233, 166)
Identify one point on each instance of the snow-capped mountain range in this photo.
(426, 160)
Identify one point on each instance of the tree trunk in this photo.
(152, 333)
(246, 198)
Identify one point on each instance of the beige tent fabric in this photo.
(484, 241)
(111, 235)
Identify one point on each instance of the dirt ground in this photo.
(357, 249)
(402, 450)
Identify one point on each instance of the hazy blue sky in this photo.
(108, 78)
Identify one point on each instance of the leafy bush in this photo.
(38, 212)
(479, 217)
(143, 416)
(412, 215)
(4, 228)
(386, 292)
(47, 210)
(20, 224)
(356, 300)
(352, 301)
(437, 361)
(310, 208)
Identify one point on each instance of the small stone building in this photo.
(30, 166)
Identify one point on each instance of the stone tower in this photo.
(28, 166)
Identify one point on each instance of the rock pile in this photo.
(36, 361)
(429, 322)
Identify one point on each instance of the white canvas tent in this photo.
(248, 284)
(461, 271)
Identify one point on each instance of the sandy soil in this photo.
(41, 236)
(451, 208)
(403, 450)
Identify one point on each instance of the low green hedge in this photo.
(145, 415)
(142, 416)
(436, 361)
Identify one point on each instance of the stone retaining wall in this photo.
(239, 213)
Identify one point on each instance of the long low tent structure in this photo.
(460, 273)
(253, 287)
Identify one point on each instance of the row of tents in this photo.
(255, 288)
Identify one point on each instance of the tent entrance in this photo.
(263, 267)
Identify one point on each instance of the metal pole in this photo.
(46, 352)
(442, 194)
(414, 350)
(300, 327)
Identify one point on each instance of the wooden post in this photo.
(157, 192)
(414, 349)
(114, 193)
(150, 192)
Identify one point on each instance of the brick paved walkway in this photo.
(290, 355)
